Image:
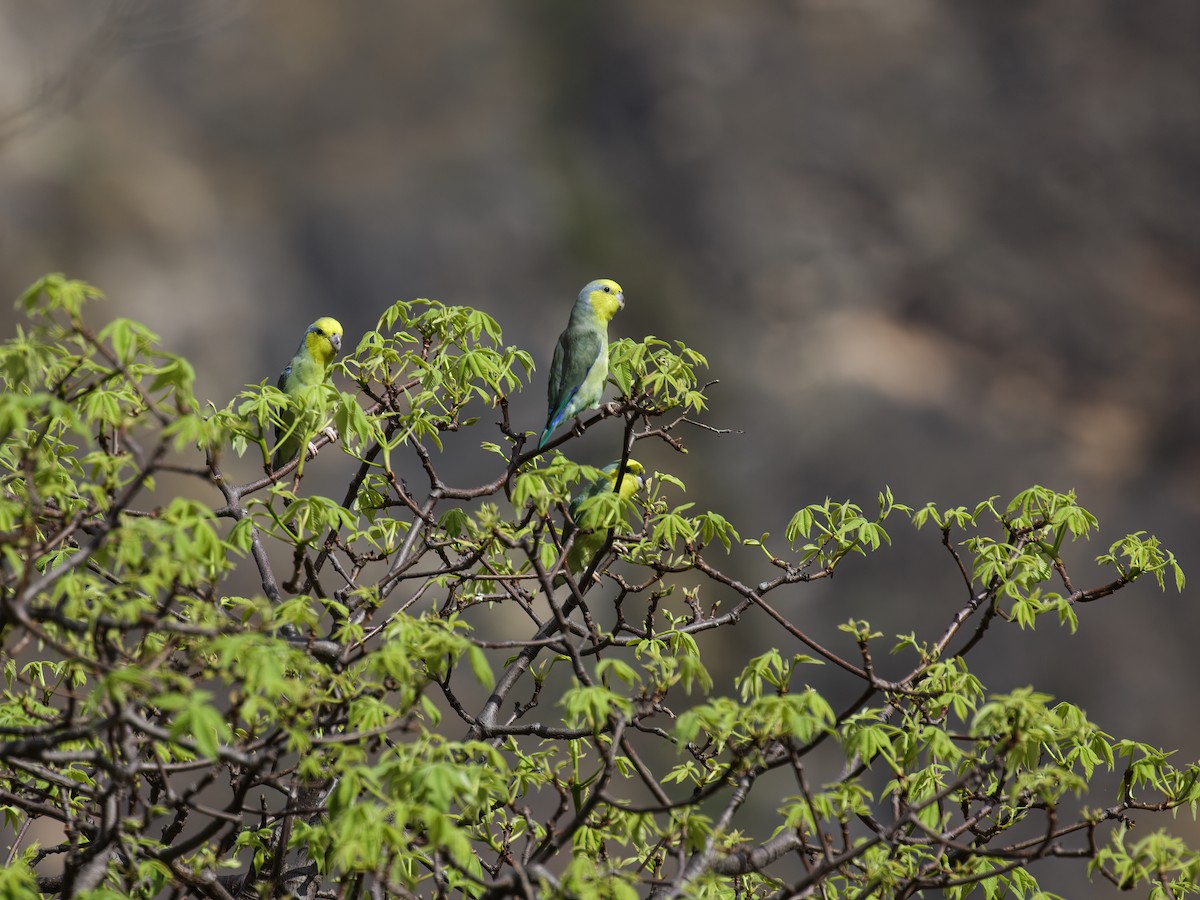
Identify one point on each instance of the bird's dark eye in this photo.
(607, 289)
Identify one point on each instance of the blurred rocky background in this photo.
(947, 247)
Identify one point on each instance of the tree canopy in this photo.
(218, 688)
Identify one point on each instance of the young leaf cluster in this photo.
(243, 687)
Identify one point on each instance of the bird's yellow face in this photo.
(605, 296)
(632, 481)
(324, 340)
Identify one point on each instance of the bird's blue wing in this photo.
(558, 416)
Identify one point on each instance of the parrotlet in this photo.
(580, 365)
(308, 368)
(588, 538)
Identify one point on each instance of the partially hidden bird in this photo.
(308, 368)
(580, 365)
(589, 534)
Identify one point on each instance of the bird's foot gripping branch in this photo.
(452, 678)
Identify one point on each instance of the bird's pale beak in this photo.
(336, 340)
(621, 299)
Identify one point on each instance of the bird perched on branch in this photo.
(591, 525)
(308, 368)
(580, 365)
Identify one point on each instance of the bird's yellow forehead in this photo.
(603, 285)
(327, 325)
